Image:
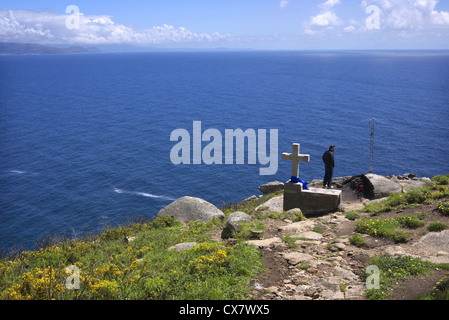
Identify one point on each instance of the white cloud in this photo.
(329, 4)
(350, 28)
(327, 19)
(283, 3)
(50, 28)
(409, 14)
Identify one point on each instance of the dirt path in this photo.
(319, 263)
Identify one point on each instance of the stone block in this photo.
(313, 201)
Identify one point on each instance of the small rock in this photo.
(257, 286)
(297, 227)
(266, 243)
(340, 246)
(272, 289)
(345, 274)
(290, 287)
(295, 258)
(309, 235)
(130, 239)
(183, 246)
(341, 240)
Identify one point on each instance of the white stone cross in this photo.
(295, 158)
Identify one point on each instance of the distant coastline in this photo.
(10, 48)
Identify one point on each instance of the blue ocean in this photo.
(85, 139)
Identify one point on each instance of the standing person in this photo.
(329, 164)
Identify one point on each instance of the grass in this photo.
(392, 270)
(111, 268)
(443, 208)
(294, 216)
(436, 226)
(425, 195)
(247, 206)
(352, 215)
(247, 229)
(357, 240)
(389, 228)
(439, 292)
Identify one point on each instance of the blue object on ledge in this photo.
(296, 180)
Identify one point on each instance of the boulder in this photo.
(275, 204)
(376, 186)
(191, 209)
(271, 187)
(235, 218)
(295, 215)
(233, 223)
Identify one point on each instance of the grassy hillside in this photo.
(142, 268)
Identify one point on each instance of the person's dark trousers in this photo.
(328, 172)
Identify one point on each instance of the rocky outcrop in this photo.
(376, 186)
(271, 187)
(192, 209)
(320, 263)
(373, 186)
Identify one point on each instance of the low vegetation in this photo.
(389, 228)
(134, 261)
(425, 195)
(141, 268)
(249, 205)
(392, 270)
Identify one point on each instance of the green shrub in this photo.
(393, 270)
(441, 180)
(115, 233)
(141, 269)
(352, 215)
(441, 290)
(436, 226)
(357, 240)
(382, 228)
(443, 208)
(410, 221)
(294, 216)
(164, 222)
(247, 228)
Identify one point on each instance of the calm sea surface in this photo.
(85, 139)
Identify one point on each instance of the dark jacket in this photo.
(328, 158)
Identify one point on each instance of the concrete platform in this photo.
(313, 201)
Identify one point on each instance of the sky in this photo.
(232, 24)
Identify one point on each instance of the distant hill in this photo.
(32, 48)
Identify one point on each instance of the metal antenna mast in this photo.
(371, 145)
